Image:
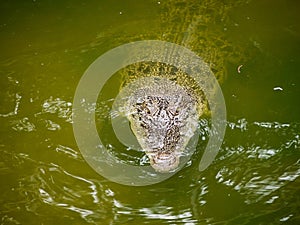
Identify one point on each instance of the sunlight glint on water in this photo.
(47, 46)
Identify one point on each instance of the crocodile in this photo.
(164, 111)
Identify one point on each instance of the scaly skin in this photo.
(163, 117)
(150, 109)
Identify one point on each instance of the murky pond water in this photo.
(253, 47)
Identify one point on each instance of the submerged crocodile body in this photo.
(163, 113)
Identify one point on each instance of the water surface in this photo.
(253, 47)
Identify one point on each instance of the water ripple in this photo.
(69, 152)
(52, 185)
(61, 108)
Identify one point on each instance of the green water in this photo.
(47, 45)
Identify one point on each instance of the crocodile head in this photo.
(163, 117)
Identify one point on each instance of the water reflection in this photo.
(23, 125)
(50, 184)
(62, 108)
(257, 168)
(69, 152)
(253, 180)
